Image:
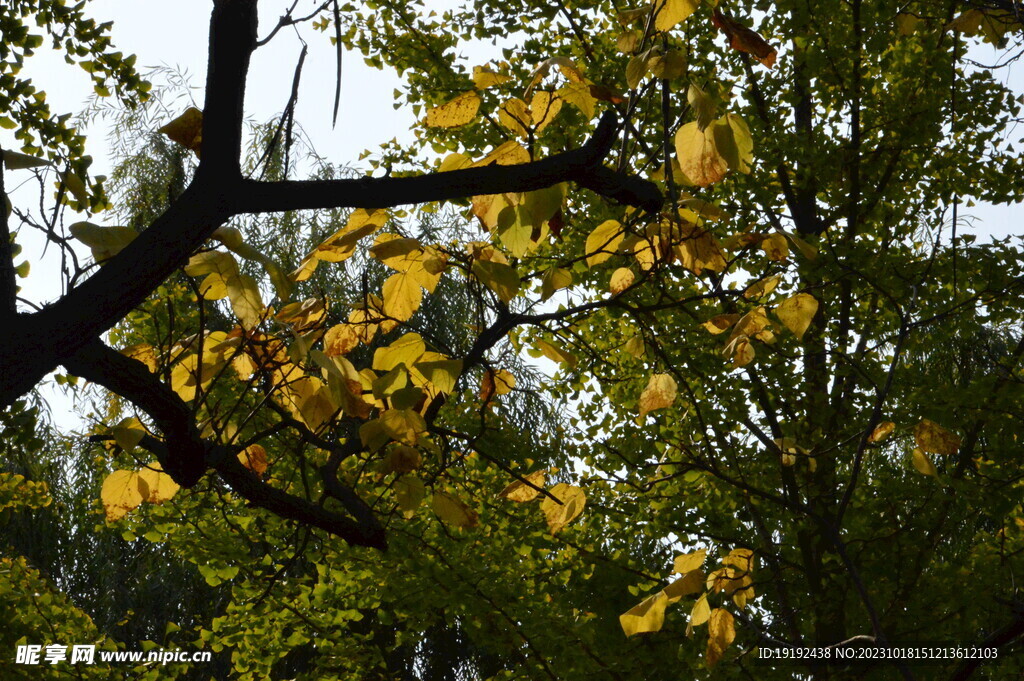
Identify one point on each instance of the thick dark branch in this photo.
(232, 40)
(185, 456)
(582, 166)
(186, 460)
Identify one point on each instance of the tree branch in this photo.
(185, 456)
(582, 166)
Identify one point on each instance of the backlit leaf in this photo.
(743, 39)
(797, 312)
(520, 492)
(647, 616)
(186, 129)
(603, 242)
(558, 515)
(122, 492)
(721, 633)
(254, 457)
(455, 112)
(453, 512)
(698, 155)
(672, 12)
(688, 562)
(159, 485)
(881, 431)
(622, 279)
(922, 463)
(409, 493)
(104, 242)
(659, 393)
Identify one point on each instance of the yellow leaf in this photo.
(720, 323)
(515, 115)
(741, 351)
(603, 242)
(733, 142)
(456, 112)
(186, 129)
(797, 312)
(128, 433)
(721, 633)
(406, 350)
(933, 438)
(701, 612)
(688, 562)
(246, 301)
(543, 108)
(556, 354)
(409, 493)
(520, 492)
(578, 94)
(508, 154)
(453, 512)
(763, 287)
(636, 69)
(122, 492)
(484, 77)
(923, 464)
(254, 457)
(401, 459)
(775, 247)
(442, 374)
(622, 279)
(104, 242)
(558, 515)
(454, 161)
(340, 340)
(699, 158)
(160, 486)
(669, 65)
(698, 250)
(402, 296)
(498, 382)
(647, 616)
(403, 425)
(672, 12)
(499, 277)
(143, 353)
(689, 584)
(554, 279)
(659, 393)
(702, 105)
(881, 431)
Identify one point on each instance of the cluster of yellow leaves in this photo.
(558, 514)
(706, 154)
(734, 579)
(795, 313)
(668, 240)
(123, 491)
(522, 221)
(520, 117)
(224, 280)
(342, 244)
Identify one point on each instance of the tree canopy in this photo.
(663, 345)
